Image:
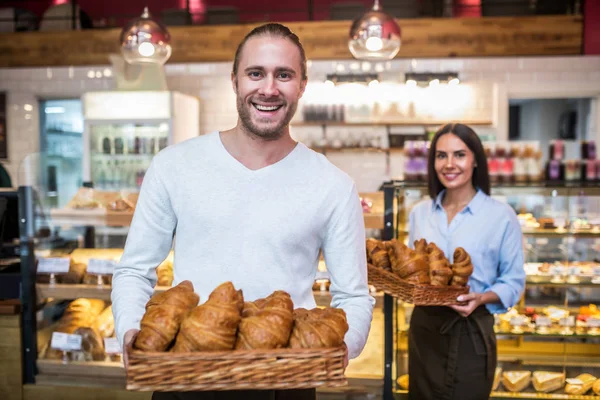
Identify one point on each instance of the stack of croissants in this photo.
(174, 322)
(425, 265)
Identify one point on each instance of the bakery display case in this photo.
(548, 344)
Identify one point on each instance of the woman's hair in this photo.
(481, 177)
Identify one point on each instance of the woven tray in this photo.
(419, 295)
(235, 370)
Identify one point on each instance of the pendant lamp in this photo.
(374, 36)
(145, 41)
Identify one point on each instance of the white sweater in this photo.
(261, 230)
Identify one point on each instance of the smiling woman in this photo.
(461, 214)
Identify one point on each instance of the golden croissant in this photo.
(164, 273)
(462, 268)
(440, 272)
(377, 254)
(266, 323)
(318, 328)
(164, 314)
(421, 246)
(407, 264)
(212, 325)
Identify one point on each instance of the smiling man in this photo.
(251, 206)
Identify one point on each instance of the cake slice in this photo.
(580, 384)
(545, 381)
(516, 381)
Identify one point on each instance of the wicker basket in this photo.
(419, 295)
(235, 370)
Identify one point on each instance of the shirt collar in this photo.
(473, 206)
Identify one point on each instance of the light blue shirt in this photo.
(489, 231)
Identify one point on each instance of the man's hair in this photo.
(276, 31)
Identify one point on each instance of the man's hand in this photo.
(472, 300)
(129, 335)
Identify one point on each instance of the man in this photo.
(251, 206)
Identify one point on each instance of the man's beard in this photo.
(269, 131)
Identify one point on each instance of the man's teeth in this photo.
(266, 108)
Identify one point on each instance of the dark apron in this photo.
(451, 357)
(292, 394)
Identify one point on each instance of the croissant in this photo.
(462, 268)
(377, 254)
(104, 324)
(440, 272)
(92, 345)
(421, 246)
(164, 273)
(266, 324)
(80, 313)
(318, 328)
(409, 265)
(212, 325)
(75, 274)
(164, 314)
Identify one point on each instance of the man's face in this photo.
(268, 85)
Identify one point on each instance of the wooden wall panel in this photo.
(461, 37)
(11, 380)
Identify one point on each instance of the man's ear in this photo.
(302, 88)
(234, 83)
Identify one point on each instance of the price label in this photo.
(517, 321)
(543, 321)
(557, 270)
(593, 322)
(574, 271)
(574, 381)
(597, 271)
(65, 342)
(59, 265)
(567, 321)
(111, 346)
(541, 241)
(100, 266)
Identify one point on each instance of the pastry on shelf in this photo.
(516, 381)
(75, 274)
(580, 385)
(266, 323)
(377, 254)
(497, 378)
(214, 324)
(80, 313)
(318, 328)
(440, 272)
(164, 273)
(545, 381)
(105, 323)
(164, 313)
(462, 268)
(92, 345)
(596, 387)
(407, 264)
(403, 382)
(546, 223)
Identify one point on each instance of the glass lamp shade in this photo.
(145, 41)
(374, 36)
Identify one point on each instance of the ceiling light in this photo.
(374, 36)
(145, 41)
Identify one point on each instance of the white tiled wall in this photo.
(491, 78)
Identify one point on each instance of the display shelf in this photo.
(535, 280)
(119, 157)
(99, 217)
(578, 233)
(400, 394)
(384, 123)
(61, 291)
(550, 335)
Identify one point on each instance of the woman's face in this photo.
(454, 162)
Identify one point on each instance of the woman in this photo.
(452, 350)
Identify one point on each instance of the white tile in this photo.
(571, 76)
(501, 65)
(493, 76)
(546, 77)
(520, 77)
(594, 76)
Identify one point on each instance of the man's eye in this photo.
(254, 74)
(284, 75)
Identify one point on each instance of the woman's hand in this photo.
(472, 300)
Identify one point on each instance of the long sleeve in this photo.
(510, 283)
(148, 243)
(345, 257)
